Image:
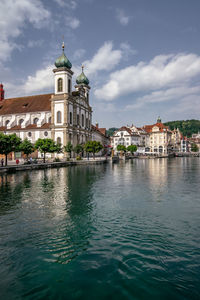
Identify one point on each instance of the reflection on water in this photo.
(121, 231)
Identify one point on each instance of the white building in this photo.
(64, 115)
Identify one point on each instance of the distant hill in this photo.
(111, 130)
(187, 127)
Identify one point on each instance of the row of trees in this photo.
(130, 148)
(12, 143)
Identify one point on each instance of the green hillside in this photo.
(111, 130)
(187, 127)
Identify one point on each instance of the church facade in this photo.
(65, 116)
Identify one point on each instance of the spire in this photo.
(82, 79)
(63, 61)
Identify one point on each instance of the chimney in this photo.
(1, 92)
(97, 125)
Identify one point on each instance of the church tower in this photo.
(83, 85)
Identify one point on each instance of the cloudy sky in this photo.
(142, 57)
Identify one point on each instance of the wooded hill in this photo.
(187, 127)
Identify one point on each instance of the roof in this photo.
(29, 127)
(161, 126)
(101, 131)
(25, 104)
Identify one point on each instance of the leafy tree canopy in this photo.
(121, 148)
(187, 127)
(27, 147)
(194, 148)
(78, 148)
(93, 147)
(9, 143)
(47, 146)
(132, 148)
(111, 131)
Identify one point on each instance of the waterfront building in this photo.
(159, 141)
(65, 115)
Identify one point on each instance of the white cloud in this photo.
(13, 16)
(67, 3)
(105, 59)
(72, 22)
(78, 54)
(161, 72)
(36, 43)
(122, 18)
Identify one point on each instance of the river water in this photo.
(123, 231)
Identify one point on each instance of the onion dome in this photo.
(82, 79)
(63, 61)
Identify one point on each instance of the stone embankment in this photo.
(40, 166)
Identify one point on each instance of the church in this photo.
(64, 116)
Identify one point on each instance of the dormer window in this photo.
(25, 105)
(35, 121)
(60, 85)
(21, 121)
(7, 122)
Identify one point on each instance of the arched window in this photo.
(60, 85)
(70, 117)
(7, 122)
(69, 86)
(58, 140)
(49, 120)
(58, 116)
(87, 122)
(82, 120)
(35, 121)
(87, 97)
(21, 121)
(46, 133)
(77, 119)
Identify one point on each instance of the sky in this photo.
(142, 57)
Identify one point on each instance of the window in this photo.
(77, 119)
(60, 85)
(87, 97)
(58, 140)
(45, 133)
(69, 86)
(58, 116)
(21, 121)
(82, 120)
(7, 122)
(29, 134)
(70, 118)
(49, 120)
(35, 121)
(87, 122)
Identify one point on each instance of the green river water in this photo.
(123, 231)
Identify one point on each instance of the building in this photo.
(159, 141)
(64, 115)
(99, 135)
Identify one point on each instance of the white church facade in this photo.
(64, 116)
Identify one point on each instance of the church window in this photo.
(82, 120)
(70, 117)
(58, 140)
(77, 119)
(69, 86)
(21, 121)
(60, 85)
(87, 122)
(35, 121)
(29, 134)
(49, 119)
(87, 97)
(58, 116)
(45, 133)
(7, 122)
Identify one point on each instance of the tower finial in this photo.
(82, 66)
(63, 44)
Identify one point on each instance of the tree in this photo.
(47, 146)
(27, 147)
(132, 148)
(121, 148)
(194, 148)
(78, 149)
(8, 144)
(93, 147)
(68, 148)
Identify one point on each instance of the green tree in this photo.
(194, 148)
(93, 147)
(111, 131)
(9, 143)
(132, 148)
(121, 148)
(47, 146)
(27, 147)
(68, 148)
(187, 127)
(78, 149)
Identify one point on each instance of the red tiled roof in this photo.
(25, 104)
(102, 131)
(161, 126)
